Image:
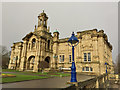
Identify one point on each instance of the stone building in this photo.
(40, 50)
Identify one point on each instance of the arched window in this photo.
(33, 42)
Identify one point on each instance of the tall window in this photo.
(87, 68)
(85, 57)
(33, 42)
(48, 44)
(60, 58)
(69, 58)
(63, 59)
(89, 57)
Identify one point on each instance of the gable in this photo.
(27, 36)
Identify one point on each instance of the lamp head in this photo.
(73, 39)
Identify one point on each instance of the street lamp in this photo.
(106, 67)
(72, 43)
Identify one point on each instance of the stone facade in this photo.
(40, 49)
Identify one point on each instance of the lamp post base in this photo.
(73, 73)
(73, 77)
(75, 83)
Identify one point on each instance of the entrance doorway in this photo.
(47, 59)
(45, 63)
(30, 63)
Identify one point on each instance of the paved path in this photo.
(115, 85)
(56, 82)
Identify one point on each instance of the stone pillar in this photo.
(37, 57)
(19, 57)
(103, 81)
(23, 58)
(36, 63)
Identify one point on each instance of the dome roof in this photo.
(56, 31)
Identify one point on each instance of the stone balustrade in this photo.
(97, 82)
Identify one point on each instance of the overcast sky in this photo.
(18, 19)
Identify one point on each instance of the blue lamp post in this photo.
(106, 67)
(72, 43)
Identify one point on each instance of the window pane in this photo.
(91, 69)
(63, 58)
(83, 69)
(69, 58)
(60, 58)
(87, 68)
(89, 57)
(85, 57)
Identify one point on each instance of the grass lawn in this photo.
(39, 73)
(20, 77)
(64, 74)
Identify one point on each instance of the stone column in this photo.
(103, 81)
(23, 58)
(37, 57)
(19, 57)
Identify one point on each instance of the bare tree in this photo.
(4, 57)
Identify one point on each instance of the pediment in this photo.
(27, 36)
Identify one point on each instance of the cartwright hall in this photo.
(40, 50)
